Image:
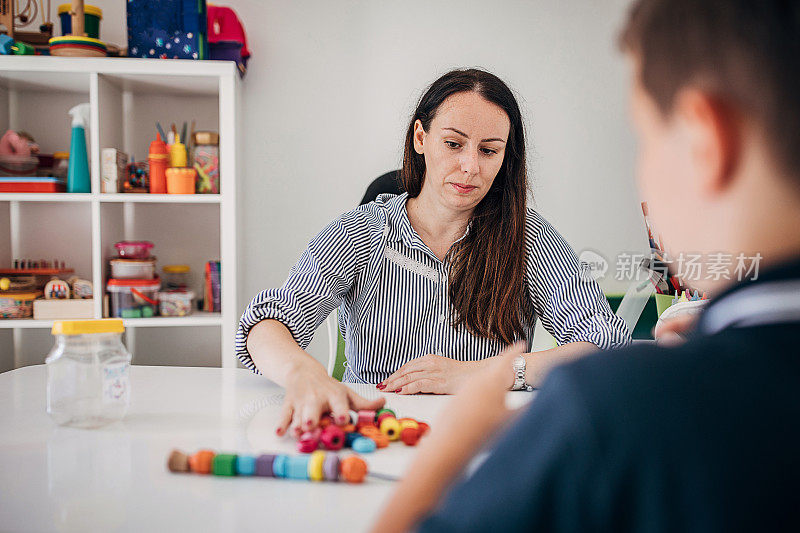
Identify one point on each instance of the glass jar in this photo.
(88, 383)
(176, 277)
(206, 162)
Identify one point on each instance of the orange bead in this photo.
(368, 430)
(201, 462)
(353, 469)
(381, 440)
(325, 421)
(349, 428)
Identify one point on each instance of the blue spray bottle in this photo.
(78, 170)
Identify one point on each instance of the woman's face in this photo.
(463, 149)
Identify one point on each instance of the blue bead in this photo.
(297, 466)
(246, 465)
(279, 466)
(349, 438)
(364, 445)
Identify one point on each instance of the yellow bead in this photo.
(408, 423)
(391, 428)
(315, 463)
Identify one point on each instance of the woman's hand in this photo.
(310, 393)
(430, 373)
(442, 457)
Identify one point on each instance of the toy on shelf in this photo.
(319, 466)
(226, 37)
(77, 44)
(13, 20)
(366, 432)
(92, 16)
(137, 177)
(23, 286)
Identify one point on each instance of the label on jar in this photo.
(116, 383)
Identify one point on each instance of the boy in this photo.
(702, 436)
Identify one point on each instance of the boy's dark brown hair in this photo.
(486, 287)
(744, 52)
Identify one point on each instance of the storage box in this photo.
(63, 309)
(17, 304)
(175, 303)
(133, 268)
(133, 298)
(23, 184)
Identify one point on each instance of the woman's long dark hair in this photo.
(487, 288)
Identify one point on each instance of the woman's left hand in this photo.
(430, 373)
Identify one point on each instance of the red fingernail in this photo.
(309, 422)
(381, 386)
(278, 431)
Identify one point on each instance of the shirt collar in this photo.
(398, 224)
(785, 271)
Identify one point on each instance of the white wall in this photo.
(331, 85)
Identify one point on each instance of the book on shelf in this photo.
(211, 288)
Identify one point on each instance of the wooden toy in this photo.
(245, 465)
(410, 436)
(264, 465)
(364, 445)
(178, 461)
(315, 462)
(353, 469)
(200, 462)
(224, 464)
(391, 427)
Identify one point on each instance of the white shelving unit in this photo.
(127, 97)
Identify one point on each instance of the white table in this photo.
(115, 478)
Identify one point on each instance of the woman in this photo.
(431, 283)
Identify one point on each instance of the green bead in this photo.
(224, 465)
(379, 413)
(131, 313)
(147, 311)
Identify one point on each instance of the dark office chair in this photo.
(386, 183)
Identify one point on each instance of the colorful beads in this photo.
(308, 442)
(200, 463)
(353, 469)
(408, 423)
(423, 428)
(315, 462)
(349, 438)
(366, 417)
(383, 411)
(224, 464)
(318, 466)
(245, 465)
(364, 445)
(264, 465)
(332, 438)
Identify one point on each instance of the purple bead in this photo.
(264, 465)
(330, 467)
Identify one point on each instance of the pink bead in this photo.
(306, 446)
(366, 417)
(332, 438)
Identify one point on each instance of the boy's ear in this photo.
(714, 137)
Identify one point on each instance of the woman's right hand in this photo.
(311, 393)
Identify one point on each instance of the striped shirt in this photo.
(392, 294)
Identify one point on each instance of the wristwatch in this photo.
(519, 375)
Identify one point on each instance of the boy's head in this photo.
(716, 102)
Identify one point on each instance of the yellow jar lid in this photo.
(87, 9)
(176, 269)
(61, 155)
(84, 327)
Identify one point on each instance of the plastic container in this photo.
(125, 268)
(176, 277)
(134, 298)
(91, 15)
(17, 304)
(175, 303)
(158, 158)
(60, 165)
(180, 180)
(206, 162)
(134, 249)
(88, 383)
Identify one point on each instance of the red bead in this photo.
(384, 416)
(332, 437)
(410, 436)
(423, 428)
(366, 416)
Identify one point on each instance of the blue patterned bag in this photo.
(167, 29)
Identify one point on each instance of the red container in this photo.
(32, 185)
(158, 159)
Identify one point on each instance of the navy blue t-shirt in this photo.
(701, 437)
